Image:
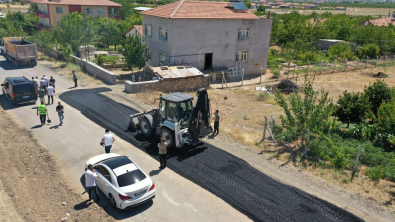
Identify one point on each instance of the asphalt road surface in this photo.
(226, 176)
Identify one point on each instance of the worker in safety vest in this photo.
(42, 110)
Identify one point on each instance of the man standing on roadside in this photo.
(34, 83)
(41, 94)
(108, 140)
(162, 152)
(52, 82)
(50, 92)
(217, 118)
(42, 110)
(90, 183)
(75, 78)
(60, 111)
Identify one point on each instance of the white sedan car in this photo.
(121, 180)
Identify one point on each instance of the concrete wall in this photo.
(190, 39)
(169, 85)
(95, 70)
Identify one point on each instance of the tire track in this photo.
(230, 178)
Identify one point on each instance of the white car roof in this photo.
(101, 157)
(124, 169)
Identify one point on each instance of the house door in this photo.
(208, 61)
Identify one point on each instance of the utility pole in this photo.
(86, 37)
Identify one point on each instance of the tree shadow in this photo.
(285, 149)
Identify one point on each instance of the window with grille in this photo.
(241, 56)
(243, 33)
(163, 33)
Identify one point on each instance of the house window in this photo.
(241, 56)
(45, 9)
(147, 30)
(114, 11)
(163, 34)
(163, 59)
(243, 33)
(100, 11)
(46, 23)
(89, 11)
(59, 10)
(148, 53)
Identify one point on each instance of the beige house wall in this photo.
(55, 17)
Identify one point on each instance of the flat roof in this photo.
(168, 72)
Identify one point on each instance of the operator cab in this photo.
(175, 107)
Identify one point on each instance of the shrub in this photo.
(274, 52)
(375, 173)
(352, 108)
(276, 73)
(342, 51)
(369, 50)
(378, 93)
(263, 96)
(309, 57)
(23, 2)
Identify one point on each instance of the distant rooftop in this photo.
(142, 8)
(200, 10)
(77, 2)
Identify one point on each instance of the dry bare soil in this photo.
(32, 187)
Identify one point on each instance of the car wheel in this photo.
(112, 200)
(145, 127)
(169, 136)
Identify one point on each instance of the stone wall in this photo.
(97, 71)
(169, 85)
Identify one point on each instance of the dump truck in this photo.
(18, 51)
(176, 119)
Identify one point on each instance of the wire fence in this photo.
(234, 78)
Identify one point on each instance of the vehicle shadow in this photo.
(8, 66)
(104, 203)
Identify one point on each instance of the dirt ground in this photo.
(32, 187)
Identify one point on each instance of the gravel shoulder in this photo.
(32, 188)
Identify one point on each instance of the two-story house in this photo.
(207, 35)
(51, 12)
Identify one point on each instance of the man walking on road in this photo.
(217, 118)
(52, 82)
(41, 94)
(90, 183)
(42, 110)
(50, 92)
(75, 78)
(43, 85)
(34, 83)
(46, 80)
(162, 152)
(60, 111)
(108, 140)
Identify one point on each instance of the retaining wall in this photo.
(169, 85)
(95, 70)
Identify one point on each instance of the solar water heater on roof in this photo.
(239, 5)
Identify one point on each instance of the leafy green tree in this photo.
(308, 109)
(44, 40)
(109, 31)
(386, 118)
(341, 51)
(134, 51)
(67, 51)
(352, 107)
(371, 50)
(378, 93)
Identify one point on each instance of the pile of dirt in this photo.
(284, 86)
(31, 179)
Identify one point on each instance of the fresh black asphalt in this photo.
(248, 190)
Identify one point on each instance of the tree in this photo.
(342, 51)
(44, 40)
(370, 50)
(352, 108)
(377, 94)
(134, 51)
(109, 31)
(386, 118)
(308, 109)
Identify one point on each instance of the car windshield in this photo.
(24, 88)
(185, 109)
(130, 178)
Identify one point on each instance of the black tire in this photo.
(169, 136)
(145, 127)
(113, 202)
